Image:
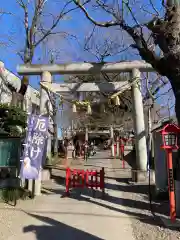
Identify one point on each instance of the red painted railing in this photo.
(122, 143)
(77, 178)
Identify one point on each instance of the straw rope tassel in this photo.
(89, 110)
(74, 108)
(117, 101)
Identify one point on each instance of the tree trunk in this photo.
(28, 56)
(24, 85)
(177, 107)
(175, 83)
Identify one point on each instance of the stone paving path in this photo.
(79, 217)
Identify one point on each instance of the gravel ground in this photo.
(148, 227)
(145, 225)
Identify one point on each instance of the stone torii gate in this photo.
(134, 68)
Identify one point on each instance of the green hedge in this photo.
(12, 120)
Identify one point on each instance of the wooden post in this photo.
(112, 141)
(171, 186)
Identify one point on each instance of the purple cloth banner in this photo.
(34, 146)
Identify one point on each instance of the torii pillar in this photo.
(44, 100)
(138, 119)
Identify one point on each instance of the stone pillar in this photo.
(161, 178)
(44, 101)
(112, 141)
(138, 117)
(86, 134)
(44, 104)
(118, 146)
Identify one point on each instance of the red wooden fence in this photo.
(77, 178)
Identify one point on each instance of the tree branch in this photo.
(54, 25)
(140, 43)
(105, 24)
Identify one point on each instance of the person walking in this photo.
(65, 146)
(77, 146)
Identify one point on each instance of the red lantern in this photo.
(170, 135)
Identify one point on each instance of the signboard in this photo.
(34, 146)
(171, 180)
(9, 151)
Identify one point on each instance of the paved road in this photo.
(79, 217)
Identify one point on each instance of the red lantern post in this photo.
(170, 142)
(121, 152)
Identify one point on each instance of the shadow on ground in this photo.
(131, 188)
(130, 159)
(137, 188)
(92, 196)
(56, 230)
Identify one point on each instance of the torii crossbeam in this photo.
(84, 68)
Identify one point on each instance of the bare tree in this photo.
(5, 39)
(39, 24)
(101, 46)
(157, 40)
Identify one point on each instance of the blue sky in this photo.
(12, 27)
(69, 49)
